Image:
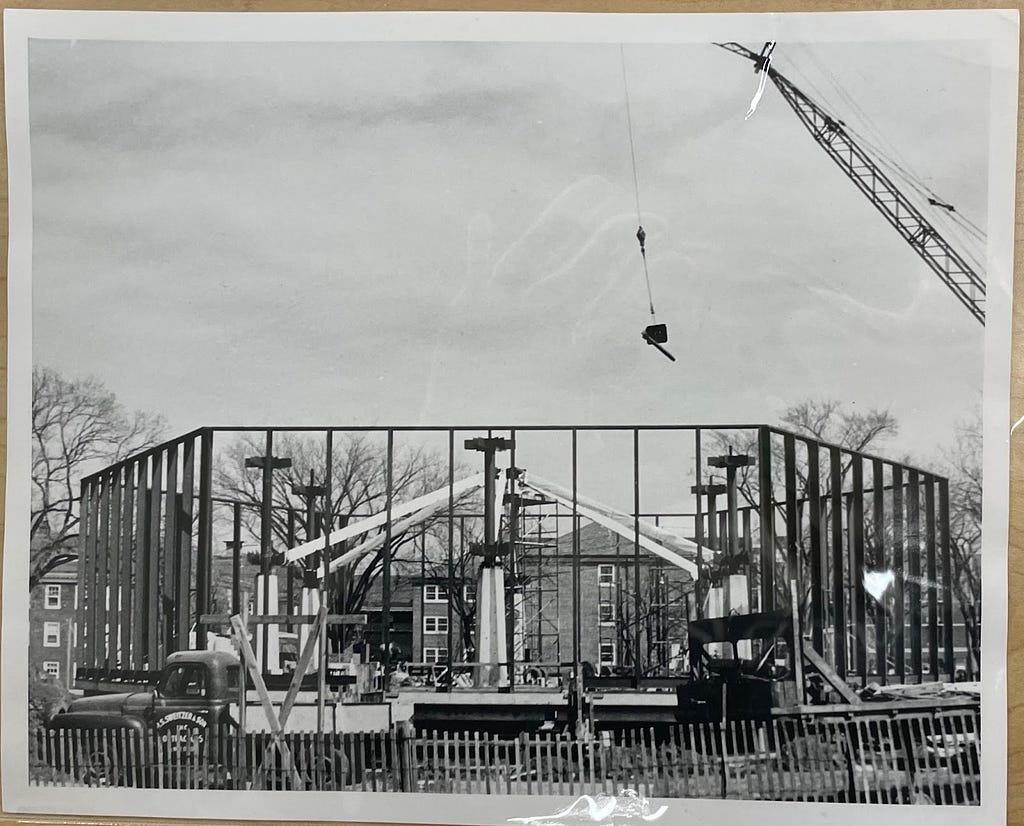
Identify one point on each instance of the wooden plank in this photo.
(95, 655)
(932, 575)
(249, 659)
(168, 592)
(899, 601)
(83, 597)
(814, 518)
(766, 517)
(857, 552)
(140, 603)
(838, 584)
(947, 583)
(831, 677)
(183, 544)
(153, 558)
(914, 570)
(124, 579)
(113, 623)
(880, 564)
(204, 551)
(103, 595)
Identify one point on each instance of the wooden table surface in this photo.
(1015, 649)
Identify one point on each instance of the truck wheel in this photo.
(102, 767)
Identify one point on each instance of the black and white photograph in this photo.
(470, 418)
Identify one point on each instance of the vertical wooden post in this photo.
(932, 577)
(168, 592)
(698, 585)
(102, 597)
(183, 544)
(878, 516)
(838, 584)
(638, 670)
(899, 601)
(140, 590)
(914, 569)
(857, 550)
(767, 518)
(125, 574)
(85, 531)
(112, 621)
(156, 652)
(814, 517)
(947, 582)
(204, 551)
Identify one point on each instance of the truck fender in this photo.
(68, 721)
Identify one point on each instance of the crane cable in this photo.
(641, 236)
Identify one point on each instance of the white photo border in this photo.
(999, 29)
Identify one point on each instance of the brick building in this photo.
(617, 586)
(52, 625)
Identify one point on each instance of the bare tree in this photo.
(358, 488)
(825, 421)
(78, 425)
(964, 460)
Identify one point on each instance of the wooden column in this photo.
(814, 515)
(932, 576)
(857, 551)
(204, 549)
(914, 570)
(878, 516)
(183, 544)
(838, 568)
(899, 600)
(767, 518)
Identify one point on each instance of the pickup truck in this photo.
(184, 725)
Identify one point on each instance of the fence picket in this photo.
(869, 758)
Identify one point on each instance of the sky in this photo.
(442, 233)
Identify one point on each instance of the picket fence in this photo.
(910, 758)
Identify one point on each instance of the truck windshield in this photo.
(182, 681)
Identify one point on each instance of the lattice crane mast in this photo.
(829, 133)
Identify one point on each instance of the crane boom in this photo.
(829, 133)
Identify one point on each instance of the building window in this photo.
(52, 597)
(434, 593)
(469, 593)
(435, 625)
(607, 655)
(435, 655)
(51, 668)
(605, 574)
(606, 613)
(51, 634)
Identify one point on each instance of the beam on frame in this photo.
(183, 545)
(857, 551)
(899, 601)
(168, 602)
(154, 557)
(767, 518)
(114, 583)
(140, 566)
(838, 585)
(124, 579)
(914, 570)
(878, 517)
(204, 550)
(931, 573)
(947, 582)
(84, 571)
(814, 517)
